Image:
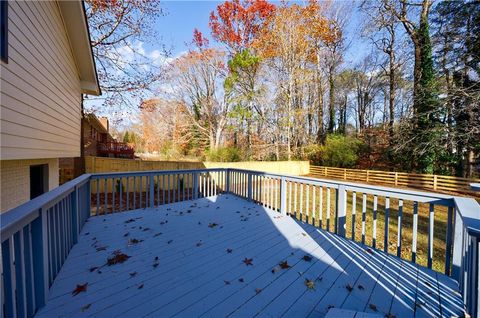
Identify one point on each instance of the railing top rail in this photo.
(151, 172)
(16, 218)
(469, 211)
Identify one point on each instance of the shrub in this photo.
(224, 154)
(340, 151)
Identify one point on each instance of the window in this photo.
(4, 30)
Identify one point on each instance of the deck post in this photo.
(458, 243)
(341, 207)
(283, 196)
(227, 180)
(40, 258)
(151, 183)
(195, 185)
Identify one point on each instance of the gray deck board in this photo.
(196, 276)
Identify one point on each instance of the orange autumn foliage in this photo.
(236, 22)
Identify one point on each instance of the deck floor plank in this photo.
(197, 276)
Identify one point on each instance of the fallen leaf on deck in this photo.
(330, 307)
(304, 234)
(155, 265)
(258, 290)
(212, 225)
(134, 241)
(129, 221)
(369, 250)
(229, 250)
(86, 307)
(284, 265)
(349, 287)
(133, 274)
(126, 234)
(309, 283)
(157, 234)
(389, 316)
(248, 261)
(361, 287)
(241, 280)
(146, 229)
(118, 258)
(140, 286)
(307, 258)
(170, 241)
(79, 289)
(92, 269)
(199, 244)
(373, 307)
(226, 282)
(156, 258)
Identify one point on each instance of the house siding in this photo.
(40, 88)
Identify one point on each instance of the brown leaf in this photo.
(101, 248)
(226, 282)
(373, 307)
(92, 269)
(248, 261)
(284, 265)
(349, 287)
(258, 290)
(134, 241)
(140, 286)
(126, 234)
(170, 241)
(369, 250)
(86, 307)
(241, 280)
(309, 283)
(212, 225)
(118, 258)
(304, 234)
(199, 244)
(133, 274)
(307, 258)
(361, 287)
(156, 258)
(229, 250)
(129, 221)
(157, 234)
(79, 289)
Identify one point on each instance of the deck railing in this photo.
(37, 236)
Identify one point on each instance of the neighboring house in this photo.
(97, 142)
(46, 66)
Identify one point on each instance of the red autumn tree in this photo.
(236, 22)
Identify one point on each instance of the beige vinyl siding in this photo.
(40, 87)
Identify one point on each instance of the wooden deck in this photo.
(193, 259)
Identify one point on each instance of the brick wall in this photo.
(15, 180)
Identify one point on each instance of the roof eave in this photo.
(76, 25)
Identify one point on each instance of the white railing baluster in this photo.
(374, 227)
(387, 217)
(431, 220)
(354, 208)
(328, 210)
(364, 217)
(320, 207)
(399, 226)
(414, 232)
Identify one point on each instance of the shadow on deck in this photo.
(193, 258)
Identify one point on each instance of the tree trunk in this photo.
(331, 101)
